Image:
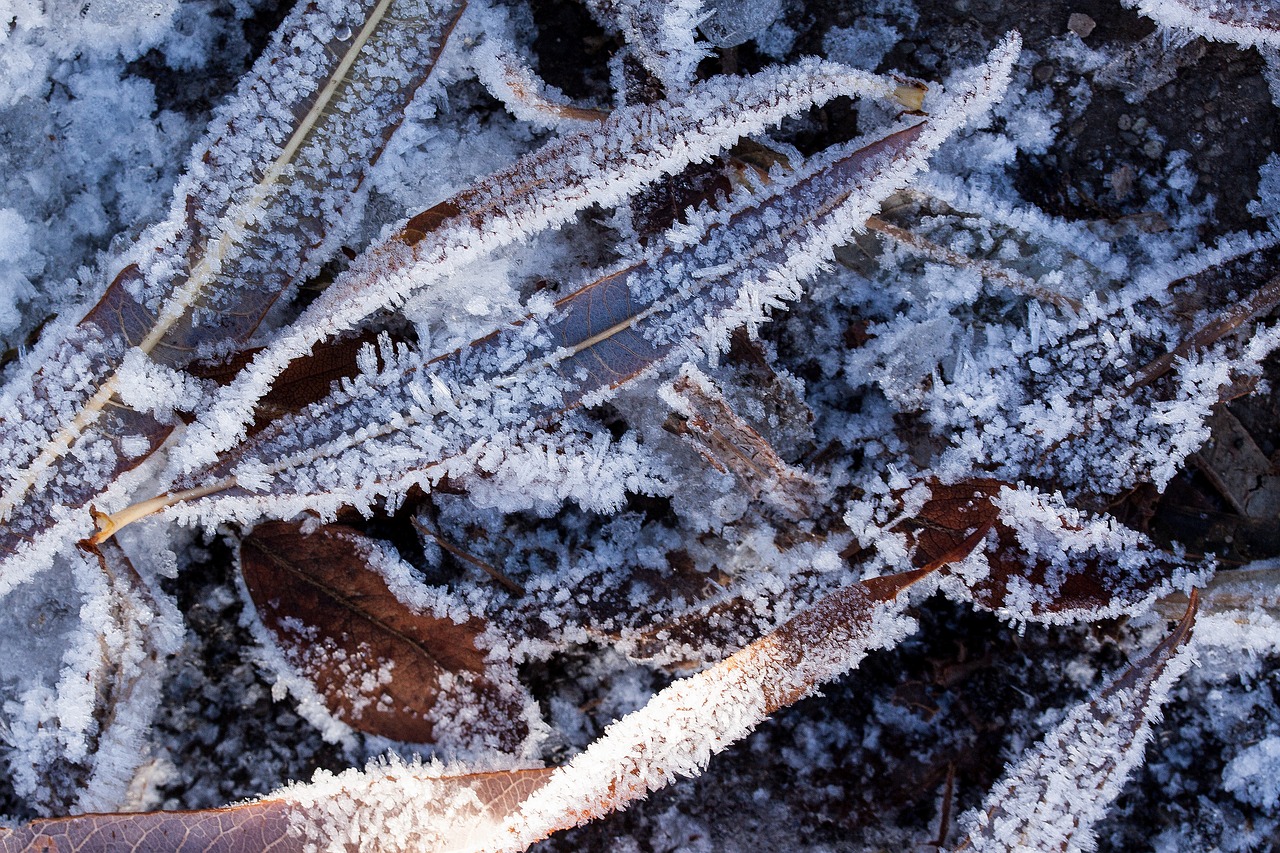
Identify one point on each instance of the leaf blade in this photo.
(380, 665)
(1052, 797)
(212, 270)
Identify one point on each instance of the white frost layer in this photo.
(632, 148)
(1248, 23)
(1053, 796)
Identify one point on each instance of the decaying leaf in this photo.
(451, 812)
(380, 665)
(394, 427)
(680, 728)
(544, 189)
(1050, 800)
(1044, 560)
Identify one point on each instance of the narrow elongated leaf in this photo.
(1050, 800)
(593, 340)
(380, 666)
(602, 166)
(254, 213)
(463, 808)
(390, 429)
(680, 728)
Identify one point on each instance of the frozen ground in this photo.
(1120, 155)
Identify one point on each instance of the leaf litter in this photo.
(1006, 383)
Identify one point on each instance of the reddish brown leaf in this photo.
(679, 729)
(431, 814)
(206, 831)
(253, 827)
(951, 515)
(1090, 572)
(380, 666)
(305, 381)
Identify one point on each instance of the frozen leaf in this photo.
(680, 728)
(544, 189)
(380, 665)
(449, 812)
(305, 381)
(392, 427)
(730, 444)
(1247, 23)
(255, 213)
(1044, 560)
(523, 93)
(1051, 799)
(84, 689)
(257, 827)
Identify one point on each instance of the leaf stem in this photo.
(109, 524)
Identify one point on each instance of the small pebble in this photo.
(1153, 149)
(1081, 24)
(1125, 122)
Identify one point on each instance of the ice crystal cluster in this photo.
(453, 421)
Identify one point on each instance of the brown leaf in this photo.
(380, 666)
(430, 813)
(667, 202)
(286, 151)
(1088, 572)
(253, 827)
(305, 381)
(951, 515)
(683, 725)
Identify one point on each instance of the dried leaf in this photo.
(1046, 561)
(451, 813)
(255, 827)
(305, 381)
(380, 665)
(252, 216)
(1258, 303)
(680, 728)
(396, 426)
(1050, 800)
(544, 189)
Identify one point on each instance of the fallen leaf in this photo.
(1050, 800)
(1095, 567)
(380, 665)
